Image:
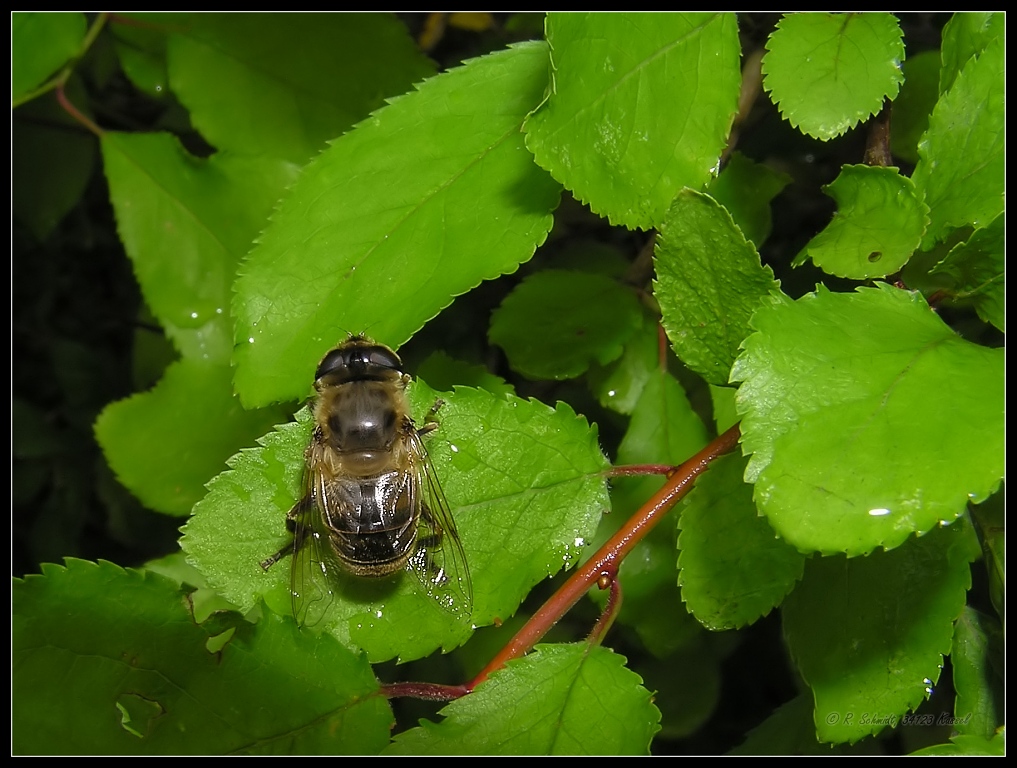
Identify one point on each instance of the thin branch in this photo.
(877, 147)
(426, 691)
(609, 557)
(628, 470)
(58, 81)
(611, 609)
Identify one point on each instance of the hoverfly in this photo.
(371, 505)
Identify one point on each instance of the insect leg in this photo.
(430, 422)
(299, 532)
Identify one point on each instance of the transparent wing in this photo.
(314, 571)
(439, 561)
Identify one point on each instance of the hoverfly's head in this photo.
(359, 359)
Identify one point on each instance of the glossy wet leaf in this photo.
(709, 280)
(40, 44)
(556, 323)
(524, 483)
(733, 569)
(421, 202)
(878, 225)
(247, 92)
(869, 634)
(962, 167)
(826, 71)
(640, 105)
(164, 463)
(185, 222)
(110, 661)
(867, 418)
(559, 700)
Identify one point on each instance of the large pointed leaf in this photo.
(418, 204)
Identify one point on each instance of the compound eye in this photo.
(332, 362)
(385, 358)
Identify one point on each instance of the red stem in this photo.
(609, 557)
(611, 610)
(641, 469)
(74, 112)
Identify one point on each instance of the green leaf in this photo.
(709, 281)
(420, 203)
(640, 106)
(140, 45)
(867, 418)
(966, 35)
(108, 661)
(164, 445)
(41, 43)
(733, 569)
(197, 218)
(559, 700)
(557, 322)
(283, 84)
(977, 271)
(445, 373)
(878, 225)
(788, 731)
(962, 166)
(963, 745)
(688, 683)
(619, 385)
(725, 413)
(526, 488)
(745, 188)
(826, 72)
(915, 103)
(979, 666)
(990, 521)
(869, 634)
(51, 163)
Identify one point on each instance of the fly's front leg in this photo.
(295, 525)
(430, 421)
